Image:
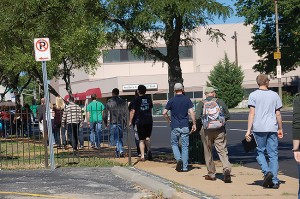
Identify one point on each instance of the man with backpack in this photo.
(212, 113)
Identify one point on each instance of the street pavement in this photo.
(162, 178)
(67, 183)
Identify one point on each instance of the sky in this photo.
(233, 19)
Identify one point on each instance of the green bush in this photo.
(287, 99)
(227, 77)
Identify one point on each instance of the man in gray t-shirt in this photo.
(265, 118)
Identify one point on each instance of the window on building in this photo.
(160, 96)
(189, 94)
(198, 94)
(125, 55)
(111, 56)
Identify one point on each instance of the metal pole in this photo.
(49, 125)
(236, 52)
(278, 50)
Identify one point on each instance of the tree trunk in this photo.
(174, 75)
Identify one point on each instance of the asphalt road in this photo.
(87, 183)
(236, 128)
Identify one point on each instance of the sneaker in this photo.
(95, 147)
(179, 166)
(227, 177)
(81, 147)
(122, 155)
(267, 180)
(92, 146)
(149, 156)
(274, 186)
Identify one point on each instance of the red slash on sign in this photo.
(42, 45)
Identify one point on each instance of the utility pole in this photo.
(235, 48)
(278, 67)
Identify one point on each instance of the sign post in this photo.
(277, 55)
(42, 53)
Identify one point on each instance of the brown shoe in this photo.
(207, 177)
(227, 177)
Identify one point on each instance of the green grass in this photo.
(17, 154)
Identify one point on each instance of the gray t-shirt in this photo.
(265, 102)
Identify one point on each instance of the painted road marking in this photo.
(31, 194)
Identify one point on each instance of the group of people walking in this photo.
(209, 119)
(112, 115)
(18, 122)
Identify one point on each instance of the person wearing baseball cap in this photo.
(213, 132)
(210, 89)
(181, 107)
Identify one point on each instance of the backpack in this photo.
(213, 116)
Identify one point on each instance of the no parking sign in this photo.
(42, 49)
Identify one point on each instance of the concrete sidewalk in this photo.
(246, 182)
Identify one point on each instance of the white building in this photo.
(8, 96)
(119, 69)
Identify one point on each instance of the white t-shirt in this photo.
(265, 102)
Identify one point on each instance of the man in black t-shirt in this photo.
(142, 111)
(136, 136)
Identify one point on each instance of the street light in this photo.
(235, 47)
(278, 67)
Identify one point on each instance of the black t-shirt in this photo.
(143, 110)
(130, 107)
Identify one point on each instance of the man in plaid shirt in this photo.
(72, 119)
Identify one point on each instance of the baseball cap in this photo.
(178, 87)
(210, 89)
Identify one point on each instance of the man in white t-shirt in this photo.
(265, 118)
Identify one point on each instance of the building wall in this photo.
(206, 54)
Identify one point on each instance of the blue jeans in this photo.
(267, 141)
(63, 136)
(96, 133)
(116, 137)
(176, 133)
(56, 133)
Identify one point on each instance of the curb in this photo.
(146, 182)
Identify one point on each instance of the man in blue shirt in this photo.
(265, 118)
(181, 107)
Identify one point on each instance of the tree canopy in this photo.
(141, 23)
(228, 78)
(261, 14)
(75, 38)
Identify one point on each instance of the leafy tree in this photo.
(261, 14)
(227, 77)
(140, 23)
(75, 38)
